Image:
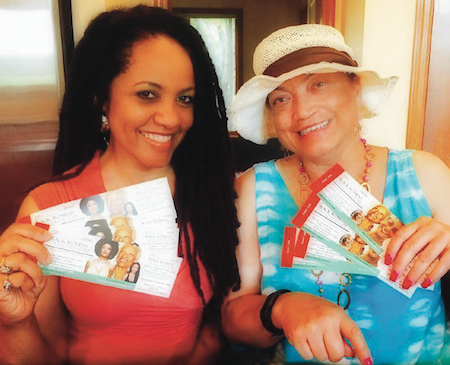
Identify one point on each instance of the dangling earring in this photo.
(287, 153)
(105, 128)
(105, 124)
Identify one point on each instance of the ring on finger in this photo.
(7, 285)
(4, 267)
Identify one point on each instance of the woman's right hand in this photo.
(319, 328)
(21, 245)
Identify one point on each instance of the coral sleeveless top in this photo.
(110, 325)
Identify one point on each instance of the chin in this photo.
(156, 163)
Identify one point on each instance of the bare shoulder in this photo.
(429, 167)
(425, 159)
(246, 181)
(434, 178)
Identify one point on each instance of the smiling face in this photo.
(126, 256)
(388, 228)
(315, 113)
(150, 108)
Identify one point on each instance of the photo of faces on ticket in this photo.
(126, 238)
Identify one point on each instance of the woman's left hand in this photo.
(427, 238)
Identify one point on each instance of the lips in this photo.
(161, 138)
(313, 128)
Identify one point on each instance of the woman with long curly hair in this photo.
(142, 102)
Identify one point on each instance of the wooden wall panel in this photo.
(429, 104)
(436, 138)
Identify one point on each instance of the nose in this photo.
(167, 114)
(303, 107)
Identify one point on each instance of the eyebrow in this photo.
(308, 76)
(160, 87)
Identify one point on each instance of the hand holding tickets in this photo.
(344, 217)
(126, 238)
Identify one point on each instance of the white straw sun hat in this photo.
(294, 51)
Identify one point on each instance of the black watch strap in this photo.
(266, 312)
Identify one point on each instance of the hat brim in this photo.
(249, 115)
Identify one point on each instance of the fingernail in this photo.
(393, 276)
(388, 259)
(368, 361)
(426, 283)
(406, 283)
(43, 225)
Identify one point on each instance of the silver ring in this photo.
(4, 267)
(7, 285)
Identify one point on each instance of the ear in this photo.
(105, 108)
(357, 88)
(357, 92)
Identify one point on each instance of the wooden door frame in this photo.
(419, 74)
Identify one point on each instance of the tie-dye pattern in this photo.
(398, 330)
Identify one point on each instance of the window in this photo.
(29, 62)
(221, 30)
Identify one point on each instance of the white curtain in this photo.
(29, 86)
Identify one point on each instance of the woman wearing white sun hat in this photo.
(310, 94)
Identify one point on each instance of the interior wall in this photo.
(388, 39)
(82, 13)
(352, 25)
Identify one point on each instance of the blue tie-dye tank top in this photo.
(397, 329)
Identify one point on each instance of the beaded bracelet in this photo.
(266, 312)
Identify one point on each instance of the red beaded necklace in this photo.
(304, 177)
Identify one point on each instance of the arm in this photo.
(240, 312)
(32, 315)
(315, 331)
(429, 238)
(211, 345)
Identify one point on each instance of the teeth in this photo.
(157, 137)
(314, 128)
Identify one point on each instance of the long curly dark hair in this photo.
(202, 163)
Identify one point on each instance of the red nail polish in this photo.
(426, 283)
(406, 283)
(368, 361)
(393, 276)
(42, 225)
(388, 259)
